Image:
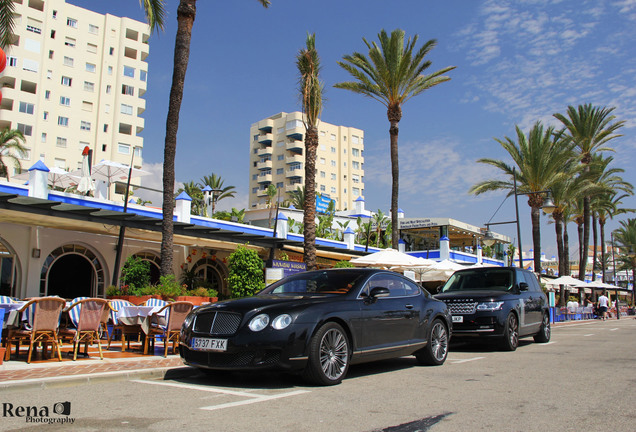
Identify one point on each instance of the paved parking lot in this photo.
(584, 379)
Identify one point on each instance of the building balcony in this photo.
(266, 151)
(292, 187)
(294, 135)
(264, 165)
(294, 159)
(264, 178)
(291, 174)
(266, 125)
(262, 192)
(265, 138)
(294, 145)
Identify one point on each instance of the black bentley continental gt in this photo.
(318, 323)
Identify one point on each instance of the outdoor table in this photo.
(140, 315)
(11, 315)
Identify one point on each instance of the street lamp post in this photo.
(548, 207)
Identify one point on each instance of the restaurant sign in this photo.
(289, 267)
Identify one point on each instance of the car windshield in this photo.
(480, 280)
(319, 282)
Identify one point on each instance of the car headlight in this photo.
(259, 322)
(281, 321)
(187, 321)
(489, 306)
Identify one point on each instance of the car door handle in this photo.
(409, 306)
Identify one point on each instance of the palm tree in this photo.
(379, 219)
(298, 197)
(11, 147)
(625, 237)
(606, 207)
(216, 183)
(7, 22)
(311, 89)
(186, 12)
(392, 74)
(540, 158)
(271, 194)
(589, 128)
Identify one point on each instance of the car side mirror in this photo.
(379, 292)
(523, 286)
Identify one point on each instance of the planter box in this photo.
(136, 300)
(2, 353)
(196, 300)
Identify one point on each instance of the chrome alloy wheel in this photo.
(439, 341)
(513, 331)
(334, 354)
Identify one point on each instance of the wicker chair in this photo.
(88, 325)
(123, 329)
(176, 313)
(42, 327)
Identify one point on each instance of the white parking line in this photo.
(591, 334)
(466, 360)
(252, 397)
(614, 329)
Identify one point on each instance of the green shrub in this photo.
(169, 287)
(343, 264)
(246, 272)
(135, 273)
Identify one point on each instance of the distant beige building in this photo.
(75, 78)
(277, 156)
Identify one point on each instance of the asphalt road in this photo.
(583, 380)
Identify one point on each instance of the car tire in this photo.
(545, 331)
(436, 349)
(329, 355)
(510, 340)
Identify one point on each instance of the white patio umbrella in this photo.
(440, 271)
(388, 258)
(85, 184)
(57, 177)
(111, 171)
(566, 280)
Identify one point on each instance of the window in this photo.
(333, 190)
(123, 148)
(30, 65)
(43, 138)
(280, 130)
(54, 14)
(322, 161)
(47, 94)
(45, 115)
(68, 61)
(111, 51)
(87, 106)
(49, 74)
(355, 165)
(355, 152)
(280, 185)
(356, 191)
(295, 166)
(110, 70)
(280, 170)
(34, 29)
(323, 147)
(69, 42)
(333, 163)
(85, 126)
(90, 67)
(254, 176)
(89, 86)
(127, 90)
(91, 48)
(126, 109)
(323, 174)
(105, 127)
(71, 22)
(333, 149)
(62, 121)
(323, 133)
(107, 108)
(280, 157)
(332, 137)
(355, 178)
(254, 190)
(65, 101)
(60, 163)
(67, 81)
(26, 107)
(108, 89)
(355, 139)
(26, 130)
(333, 176)
(93, 29)
(52, 34)
(280, 143)
(61, 142)
(137, 151)
(294, 124)
(143, 75)
(51, 52)
(12, 61)
(322, 188)
(129, 71)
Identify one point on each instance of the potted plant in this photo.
(168, 288)
(199, 295)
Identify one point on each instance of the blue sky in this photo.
(517, 62)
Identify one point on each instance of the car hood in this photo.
(267, 302)
(476, 295)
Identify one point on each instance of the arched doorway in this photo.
(213, 273)
(9, 270)
(72, 271)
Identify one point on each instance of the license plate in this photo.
(458, 318)
(207, 344)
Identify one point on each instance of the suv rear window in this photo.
(490, 279)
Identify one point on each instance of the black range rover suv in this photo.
(503, 302)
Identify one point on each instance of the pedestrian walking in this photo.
(603, 302)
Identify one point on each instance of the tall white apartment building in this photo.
(277, 156)
(75, 78)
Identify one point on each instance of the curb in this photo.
(71, 380)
